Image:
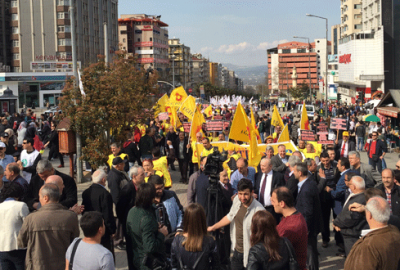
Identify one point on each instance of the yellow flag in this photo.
(276, 118)
(304, 123)
(197, 124)
(241, 127)
(254, 153)
(284, 137)
(208, 111)
(177, 97)
(188, 107)
(160, 105)
(175, 119)
(254, 125)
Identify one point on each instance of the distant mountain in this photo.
(250, 75)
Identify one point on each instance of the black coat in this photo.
(116, 181)
(352, 147)
(277, 181)
(292, 185)
(351, 223)
(395, 198)
(97, 198)
(126, 201)
(259, 257)
(69, 196)
(130, 148)
(186, 153)
(308, 204)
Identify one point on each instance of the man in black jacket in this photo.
(171, 136)
(130, 148)
(69, 195)
(146, 144)
(97, 198)
(351, 223)
(265, 183)
(292, 182)
(117, 178)
(182, 155)
(391, 190)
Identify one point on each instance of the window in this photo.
(15, 30)
(286, 51)
(124, 40)
(357, 16)
(138, 39)
(357, 6)
(14, 17)
(14, 4)
(63, 2)
(151, 39)
(358, 26)
(64, 42)
(15, 43)
(62, 15)
(16, 56)
(301, 50)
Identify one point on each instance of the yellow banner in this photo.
(276, 118)
(208, 111)
(188, 107)
(197, 124)
(284, 137)
(177, 97)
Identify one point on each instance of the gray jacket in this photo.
(277, 164)
(371, 177)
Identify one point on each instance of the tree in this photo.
(116, 99)
(300, 92)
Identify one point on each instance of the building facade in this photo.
(183, 64)
(215, 73)
(42, 30)
(351, 17)
(201, 70)
(6, 45)
(146, 37)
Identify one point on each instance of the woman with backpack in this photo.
(194, 248)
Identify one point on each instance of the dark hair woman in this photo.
(268, 250)
(143, 231)
(194, 248)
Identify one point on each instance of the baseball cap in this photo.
(345, 133)
(4, 135)
(117, 161)
(3, 145)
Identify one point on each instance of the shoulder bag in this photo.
(71, 260)
(293, 265)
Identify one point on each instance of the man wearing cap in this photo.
(4, 158)
(9, 146)
(269, 140)
(344, 146)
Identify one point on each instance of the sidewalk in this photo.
(328, 258)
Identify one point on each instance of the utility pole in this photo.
(106, 51)
(79, 169)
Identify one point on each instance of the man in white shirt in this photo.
(266, 182)
(29, 159)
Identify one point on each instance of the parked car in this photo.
(310, 110)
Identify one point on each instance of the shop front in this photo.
(389, 107)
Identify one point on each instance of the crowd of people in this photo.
(267, 216)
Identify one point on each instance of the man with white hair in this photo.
(292, 181)
(350, 223)
(378, 247)
(97, 198)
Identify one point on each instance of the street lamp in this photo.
(173, 66)
(326, 71)
(309, 61)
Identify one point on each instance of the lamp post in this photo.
(326, 71)
(173, 66)
(309, 61)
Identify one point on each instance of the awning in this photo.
(389, 111)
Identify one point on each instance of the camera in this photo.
(213, 165)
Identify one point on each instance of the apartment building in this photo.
(201, 70)
(41, 33)
(6, 45)
(351, 17)
(146, 36)
(183, 64)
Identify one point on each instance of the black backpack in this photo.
(184, 267)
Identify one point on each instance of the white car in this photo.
(310, 110)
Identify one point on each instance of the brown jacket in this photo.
(47, 234)
(378, 249)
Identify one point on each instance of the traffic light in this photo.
(339, 96)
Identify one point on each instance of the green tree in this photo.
(116, 98)
(300, 92)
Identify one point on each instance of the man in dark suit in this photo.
(376, 152)
(351, 223)
(344, 146)
(308, 204)
(182, 155)
(97, 198)
(292, 181)
(279, 160)
(69, 195)
(265, 183)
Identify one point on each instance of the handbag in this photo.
(293, 265)
(156, 261)
(375, 158)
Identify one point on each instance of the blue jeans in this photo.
(13, 260)
(360, 143)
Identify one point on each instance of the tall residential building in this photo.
(335, 37)
(42, 31)
(145, 36)
(283, 58)
(371, 14)
(183, 64)
(215, 73)
(225, 77)
(200, 69)
(232, 83)
(6, 46)
(351, 17)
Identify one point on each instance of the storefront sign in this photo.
(32, 78)
(333, 58)
(392, 112)
(345, 59)
(52, 57)
(67, 66)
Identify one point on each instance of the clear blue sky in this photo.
(238, 31)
